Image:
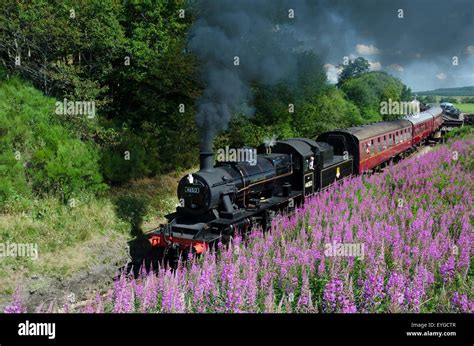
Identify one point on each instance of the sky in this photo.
(427, 44)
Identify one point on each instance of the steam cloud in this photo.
(265, 40)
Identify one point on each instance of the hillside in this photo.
(463, 91)
(52, 197)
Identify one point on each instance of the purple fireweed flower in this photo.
(396, 291)
(447, 269)
(460, 303)
(16, 306)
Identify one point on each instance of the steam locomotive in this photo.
(220, 200)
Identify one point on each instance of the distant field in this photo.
(465, 107)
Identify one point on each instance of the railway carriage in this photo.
(371, 145)
(425, 124)
(438, 117)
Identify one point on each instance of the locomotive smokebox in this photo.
(206, 157)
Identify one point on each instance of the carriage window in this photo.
(379, 145)
(384, 142)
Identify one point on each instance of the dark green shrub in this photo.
(125, 161)
(132, 208)
(37, 154)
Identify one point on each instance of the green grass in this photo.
(465, 132)
(71, 240)
(465, 107)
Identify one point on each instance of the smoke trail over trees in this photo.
(240, 42)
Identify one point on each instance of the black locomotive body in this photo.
(218, 201)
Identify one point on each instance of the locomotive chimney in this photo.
(206, 157)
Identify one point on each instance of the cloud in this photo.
(470, 49)
(375, 66)
(441, 76)
(396, 67)
(367, 50)
(332, 72)
(469, 76)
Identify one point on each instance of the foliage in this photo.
(468, 100)
(128, 57)
(462, 91)
(354, 68)
(406, 94)
(39, 155)
(66, 48)
(460, 132)
(448, 99)
(370, 89)
(304, 107)
(427, 99)
(132, 208)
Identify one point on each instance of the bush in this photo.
(327, 112)
(68, 170)
(132, 208)
(460, 132)
(124, 161)
(448, 99)
(38, 155)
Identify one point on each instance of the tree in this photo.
(128, 57)
(368, 90)
(353, 69)
(406, 94)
